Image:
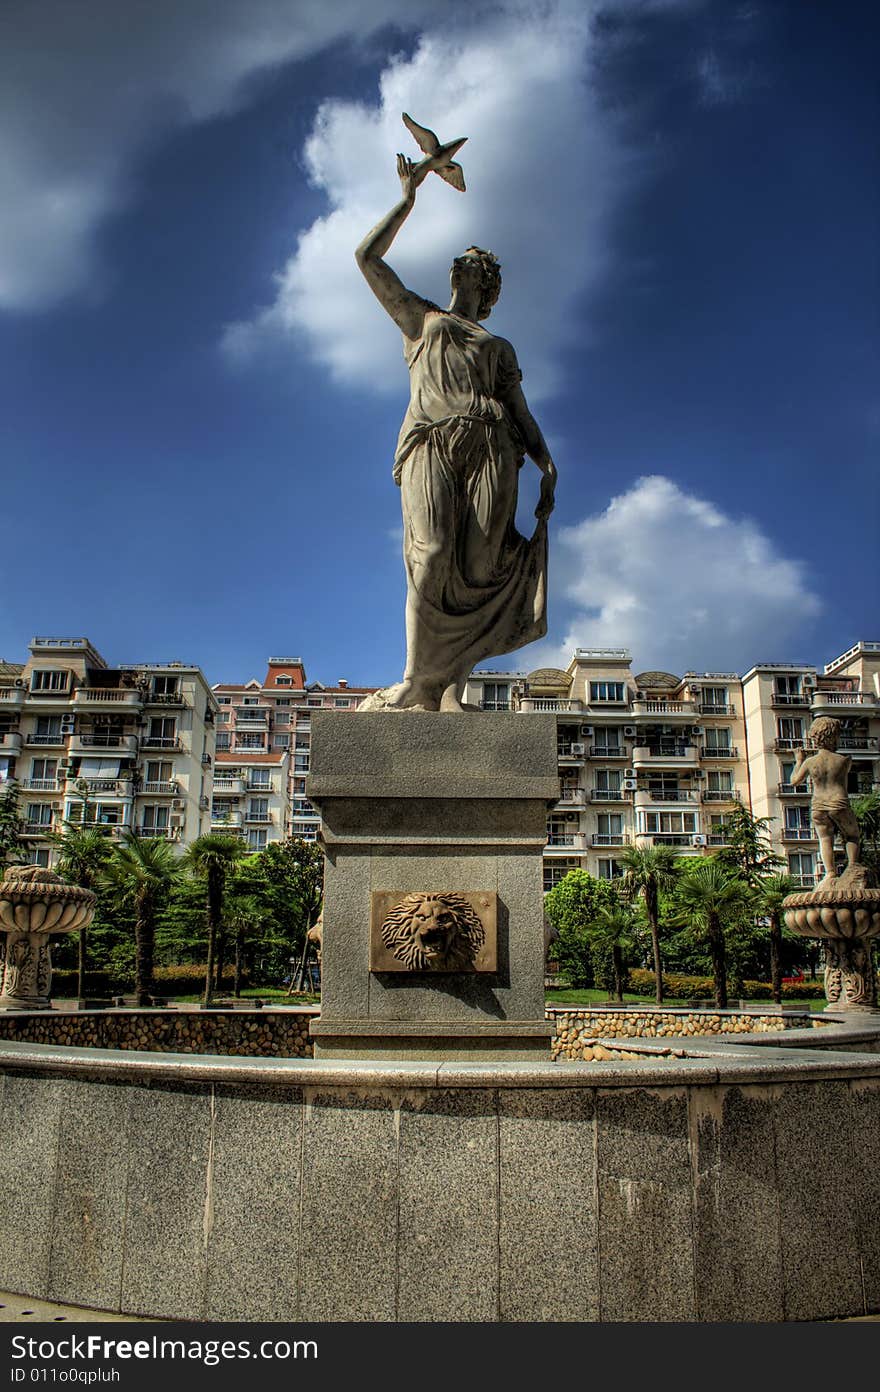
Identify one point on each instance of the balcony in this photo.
(40, 785)
(154, 833)
(56, 740)
(173, 699)
(259, 818)
(804, 881)
(572, 797)
(100, 697)
(229, 787)
(678, 755)
(10, 742)
(609, 751)
(858, 744)
(780, 699)
(565, 843)
(165, 789)
(798, 834)
(611, 838)
(160, 742)
(647, 796)
(11, 697)
(720, 795)
(712, 751)
(265, 788)
(39, 828)
(708, 708)
(680, 709)
(610, 795)
(836, 701)
(783, 744)
(228, 817)
(106, 785)
(531, 704)
(571, 753)
(491, 706)
(717, 838)
(125, 744)
(794, 789)
(669, 838)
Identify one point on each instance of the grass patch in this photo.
(571, 996)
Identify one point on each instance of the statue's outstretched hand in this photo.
(409, 177)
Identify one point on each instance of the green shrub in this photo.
(697, 988)
(97, 983)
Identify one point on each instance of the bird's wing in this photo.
(424, 138)
(453, 174)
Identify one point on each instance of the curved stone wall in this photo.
(737, 1183)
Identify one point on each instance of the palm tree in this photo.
(647, 870)
(143, 869)
(770, 893)
(613, 928)
(709, 897)
(83, 854)
(213, 856)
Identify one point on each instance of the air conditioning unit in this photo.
(587, 730)
(177, 802)
(629, 731)
(176, 820)
(571, 816)
(698, 840)
(19, 681)
(578, 749)
(629, 785)
(696, 730)
(699, 773)
(630, 773)
(809, 683)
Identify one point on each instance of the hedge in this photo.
(184, 980)
(696, 988)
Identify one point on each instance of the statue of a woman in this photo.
(475, 587)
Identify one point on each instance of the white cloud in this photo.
(544, 165)
(669, 575)
(85, 86)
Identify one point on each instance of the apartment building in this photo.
(781, 700)
(648, 758)
(118, 748)
(268, 725)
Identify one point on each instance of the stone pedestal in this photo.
(433, 814)
(845, 920)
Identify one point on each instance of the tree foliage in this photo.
(12, 848)
(572, 907)
(650, 871)
(714, 901)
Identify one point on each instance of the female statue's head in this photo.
(489, 268)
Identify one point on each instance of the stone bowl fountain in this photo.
(844, 918)
(35, 903)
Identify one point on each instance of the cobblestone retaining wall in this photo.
(579, 1032)
(245, 1033)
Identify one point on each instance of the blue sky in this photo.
(201, 396)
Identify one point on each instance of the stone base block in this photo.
(512, 1041)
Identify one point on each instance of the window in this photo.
(165, 686)
(284, 681)
(608, 780)
(281, 741)
(163, 731)
(44, 771)
(47, 730)
(301, 763)
(496, 696)
(790, 728)
(715, 696)
(314, 701)
(221, 808)
(159, 771)
(609, 870)
(342, 702)
(611, 825)
(720, 781)
(717, 739)
(798, 826)
(39, 814)
(282, 700)
(670, 823)
(250, 700)
(49, 679)
(250, 741)
(607, 741)
(257, 839)
(39, 855)
(787, 686)
(802, 867)
(154, 817)
(223, 741)
(258, 809)
(607, 691)
(260, 778)
(556, 870)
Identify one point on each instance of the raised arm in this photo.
(405, 307)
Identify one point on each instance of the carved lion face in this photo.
(434, 932)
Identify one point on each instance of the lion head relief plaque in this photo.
(440, 931)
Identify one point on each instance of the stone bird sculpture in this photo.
(438, 157)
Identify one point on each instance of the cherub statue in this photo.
(829, 806)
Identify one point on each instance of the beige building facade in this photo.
(125, 748)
